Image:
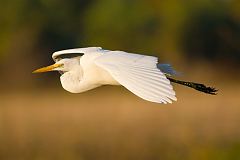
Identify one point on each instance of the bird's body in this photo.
(85, 76)
(87, 68)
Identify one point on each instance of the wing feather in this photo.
(142, 90)
(68, 53)
(153, 92)
(152, 85)
(152, 76)
(151, 81)
(139, 74)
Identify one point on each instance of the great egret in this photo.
(83, 69)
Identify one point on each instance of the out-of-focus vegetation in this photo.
(179, 32)
(201, 38)
(118, 125)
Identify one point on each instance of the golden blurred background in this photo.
(41, 121)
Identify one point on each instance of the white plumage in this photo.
(87, 68)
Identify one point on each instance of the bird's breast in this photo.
(81, 80)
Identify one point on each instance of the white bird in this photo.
(83, 69)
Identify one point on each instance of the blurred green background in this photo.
(39, 120)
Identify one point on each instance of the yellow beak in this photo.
(48, 68)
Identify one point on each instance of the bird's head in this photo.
(63, 65)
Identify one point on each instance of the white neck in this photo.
(74, 82)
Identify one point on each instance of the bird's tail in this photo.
(197, 86)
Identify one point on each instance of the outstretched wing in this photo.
(139, 74)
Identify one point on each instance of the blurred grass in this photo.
(112, 123)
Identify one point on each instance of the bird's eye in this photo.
(61, 72)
